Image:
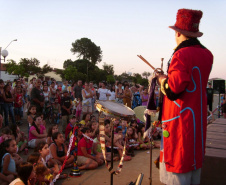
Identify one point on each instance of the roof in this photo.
(3, 67)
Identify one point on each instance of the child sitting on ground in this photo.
(20, 138)
(43, 176)
(6, 134)
(131, 141)
(37, 132)
(119, 143)
(7, 162)
(93, 128)
(59, 150)
(70, 125)
(46, 158)
(97, 148)
(123, 126)
(51, 131)
(34, 158)
(30, 115)
(85, 160)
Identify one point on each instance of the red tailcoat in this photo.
(186, 118)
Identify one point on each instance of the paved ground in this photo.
(130, 171)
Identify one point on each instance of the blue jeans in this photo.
(8, 110)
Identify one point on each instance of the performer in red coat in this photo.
(184, 109)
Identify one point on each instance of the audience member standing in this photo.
(119, 93)
(127, 97)
(1, 96)
(103, 92)
(87, 99)
(78, 90)
(94, 94)
(209, 91)
(37, 97)
(136, 97)
(66, 105)
(8, 105)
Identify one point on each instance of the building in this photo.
(5, 76)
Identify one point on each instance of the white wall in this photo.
(5, 76)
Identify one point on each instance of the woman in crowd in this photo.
(127, 97)
(87, 99)
(136, 97)
(119, 93)
(8, 105)
(103, 92)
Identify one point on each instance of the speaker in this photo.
(219, 86)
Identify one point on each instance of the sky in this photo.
(45, 29)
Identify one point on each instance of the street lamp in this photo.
(4, 53)
(129, 73)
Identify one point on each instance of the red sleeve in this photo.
(178, 74)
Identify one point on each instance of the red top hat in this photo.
(187, 22)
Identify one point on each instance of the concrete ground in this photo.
(130, 171)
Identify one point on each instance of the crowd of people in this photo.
(58, 108)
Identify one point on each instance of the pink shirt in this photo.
(31, 136)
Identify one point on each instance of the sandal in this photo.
(63, 176)
(127, 158)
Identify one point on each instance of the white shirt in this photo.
(112, 97)
(16, 181)
(102, 93)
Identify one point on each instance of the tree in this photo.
(108, 68)
(31, 66)
(67, 63)
(71, 73)
(146, 74)
(87, 49)
(45, 69)
(26, 67)
(110, 79)
(60, 72)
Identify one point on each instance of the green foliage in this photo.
(27, 67)
(31, 66)
(110, 79)
(67, 63)
(71, 73)
(146, 74)
(87, 49)
(108, 68)
(60, 72)
(45, 69)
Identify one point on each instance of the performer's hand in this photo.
(160, 78)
